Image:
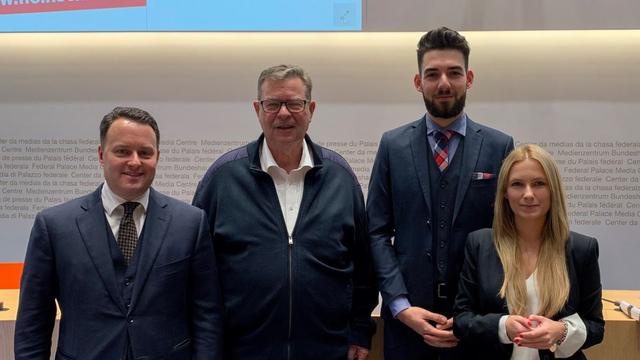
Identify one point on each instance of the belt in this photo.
(442, 290)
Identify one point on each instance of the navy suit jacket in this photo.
(175, 306)
(478, 307)
(399, 207)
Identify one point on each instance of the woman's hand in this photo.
(543, 334)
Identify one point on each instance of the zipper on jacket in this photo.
(290, 296)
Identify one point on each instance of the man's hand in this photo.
(357, 353)
(516, 325)
(418, 320)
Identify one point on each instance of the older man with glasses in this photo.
(289, 227)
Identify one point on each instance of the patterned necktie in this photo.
(127, 234)
(441, 150)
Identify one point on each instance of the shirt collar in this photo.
(111, 201)
(459, 126)
(267, 161)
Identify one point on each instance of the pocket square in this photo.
(482, 176)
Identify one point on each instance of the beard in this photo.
(445, 111)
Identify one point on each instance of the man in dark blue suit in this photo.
(132, 270)
(433, 182)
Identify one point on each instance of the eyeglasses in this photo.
(273, 106)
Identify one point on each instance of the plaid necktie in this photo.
(441, 150)
(127, 234)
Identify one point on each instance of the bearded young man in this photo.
(433, 182)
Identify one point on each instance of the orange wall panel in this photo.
(10, 275)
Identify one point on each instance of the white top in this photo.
(289, 186)
(114, 210)
(576, 334)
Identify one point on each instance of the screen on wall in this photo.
(179, 15)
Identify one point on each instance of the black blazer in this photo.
(478, 307)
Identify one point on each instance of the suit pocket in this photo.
(483, 182)
(482, 195)
(171, 267)
(182, 344)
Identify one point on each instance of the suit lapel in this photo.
(155, 230)
(93, 231)
(570, 306)
(419, 152)
(470, 154)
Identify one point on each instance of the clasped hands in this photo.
(419, 320)
(534, 331)
(357, 352)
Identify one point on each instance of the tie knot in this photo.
(443, 136)
(129, 207)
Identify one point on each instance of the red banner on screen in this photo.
(35, 6)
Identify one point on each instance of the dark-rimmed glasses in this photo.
(273, 106)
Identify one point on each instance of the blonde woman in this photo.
(529, 288)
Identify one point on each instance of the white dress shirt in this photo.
(576, 334)
(114, 210)
(289, 186)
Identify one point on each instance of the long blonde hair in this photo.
(551, 271)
